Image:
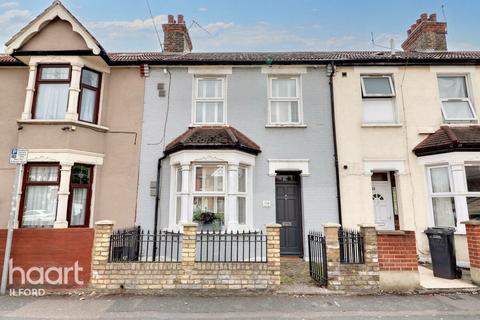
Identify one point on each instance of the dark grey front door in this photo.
(289, 213)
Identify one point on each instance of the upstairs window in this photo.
(378, 100)
(52, 90)
(284, 101)
(209, 102)
(454, 96)
(89, 96)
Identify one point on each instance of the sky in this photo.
(257, 25)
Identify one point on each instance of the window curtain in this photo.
(452, 87)
(444, 212)
(52, 100)
(440, 180)
(79, 206)
(87, 108)
(284, 88)
(40, 206)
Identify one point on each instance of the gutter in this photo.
(335, 146)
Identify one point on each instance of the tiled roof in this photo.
(450, 139)
(212, 138)
(294, 57)
(262, 58)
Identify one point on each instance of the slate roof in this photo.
(212, 138)
(450, 139)
(263, 58)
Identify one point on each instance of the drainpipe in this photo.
(157, 201)
(331, 70)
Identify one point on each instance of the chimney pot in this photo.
(426, 34)
(175, 36)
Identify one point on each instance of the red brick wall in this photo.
(397, 252)
(473, 238)
(50, 248)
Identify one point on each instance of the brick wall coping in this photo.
(273, 225)
(331, 225)
(105, 222)
(391, 232)
(193, 224)
(471, 222)
(367, 225)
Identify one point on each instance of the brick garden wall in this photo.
(473, 239)
(397, 251)
(352, 277)
(45, 248)
(186, 274)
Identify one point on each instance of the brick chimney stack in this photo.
(426, 34)
(175, 36)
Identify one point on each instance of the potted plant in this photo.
(208, 220)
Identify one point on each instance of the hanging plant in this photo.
(208, 217)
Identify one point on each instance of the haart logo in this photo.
(52, 276)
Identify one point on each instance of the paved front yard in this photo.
(455, 306)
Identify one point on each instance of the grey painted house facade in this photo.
(296, 141)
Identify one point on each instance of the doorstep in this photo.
(429, 282)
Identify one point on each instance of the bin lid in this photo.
(440, 230)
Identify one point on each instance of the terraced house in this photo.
(407, 132)
(234, 142)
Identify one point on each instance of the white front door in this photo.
(383, 205)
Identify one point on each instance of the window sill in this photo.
(380, 125)
(95, 127)
(286, 125)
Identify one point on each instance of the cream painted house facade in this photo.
(382, 180)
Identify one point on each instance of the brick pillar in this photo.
(370, 246)
(473, 239)
(333, 254)
(101, 247)
(273, 253)
(188, 251)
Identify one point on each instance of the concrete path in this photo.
(453, 306)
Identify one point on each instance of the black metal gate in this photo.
(317, 253)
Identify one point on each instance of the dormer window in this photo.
(89, 96)
(52, 91)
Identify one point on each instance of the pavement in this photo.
(417, 307)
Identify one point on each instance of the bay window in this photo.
(52, 92)
(443, 201)
(242, 196)
(472, 175)
(39, 195)
(209, 189)
(89, 96)
(455, 98)
(80, 195)
(209, 104)
(284, 100)
(378, 99)
(178, 196)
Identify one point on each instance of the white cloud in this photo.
(11, 21)
(203, 9)
(9, 5)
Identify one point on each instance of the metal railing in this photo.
(351, 246)
(317, 253)
(218, 246)
(136, 245)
